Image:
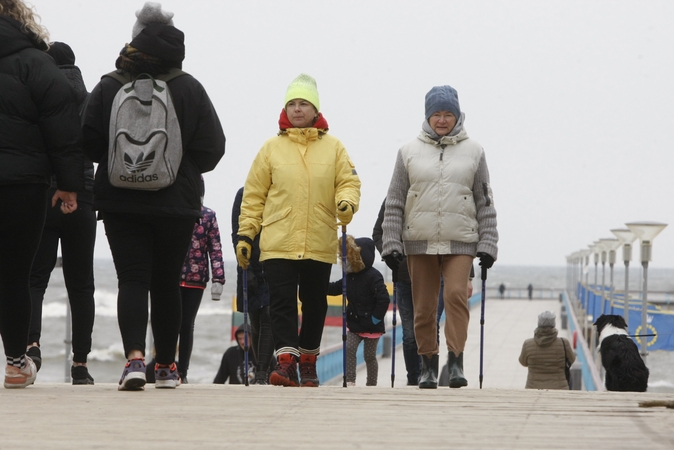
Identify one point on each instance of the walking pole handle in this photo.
(484, 273)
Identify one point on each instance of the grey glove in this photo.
(216, 291)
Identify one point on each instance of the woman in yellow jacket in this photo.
(301, 180)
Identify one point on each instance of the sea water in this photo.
(212, 330)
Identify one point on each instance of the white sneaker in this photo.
(16, 377)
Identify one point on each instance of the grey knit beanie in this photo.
(546, 319)
(150, 13)
(442, 98)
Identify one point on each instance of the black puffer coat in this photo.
(365, 289)
(39, 124)
(203, 146)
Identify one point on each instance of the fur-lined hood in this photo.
(359, 253)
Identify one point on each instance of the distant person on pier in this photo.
(232, 366)
(368, 301)
(39, 138)
(530, 289)
(76, 234)
(545, 356)
(440, 213)
(149, 230)
(261, 339)
(501, 290)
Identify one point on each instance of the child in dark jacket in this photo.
(368, 301)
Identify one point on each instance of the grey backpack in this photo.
(145, 148)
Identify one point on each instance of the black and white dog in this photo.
(625, 369)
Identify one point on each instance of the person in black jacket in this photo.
(368, 301)
(233, 362)
(77, 235)
(405, 307)
(149, 232)
(262, 341)
(39, 137)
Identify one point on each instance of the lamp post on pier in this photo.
(646, 232)
(611, 245)
(626, 237)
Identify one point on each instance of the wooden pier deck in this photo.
(502, 415)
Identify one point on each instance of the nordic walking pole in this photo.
(245, 323)
(344, 305)
(394, 274)
(484, 290)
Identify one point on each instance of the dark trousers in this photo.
(190, 301)
(149, 252)
(284, 276)
(77, 233)
(21, 220)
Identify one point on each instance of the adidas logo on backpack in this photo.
(145, 148)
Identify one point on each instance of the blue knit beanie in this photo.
(442, 98)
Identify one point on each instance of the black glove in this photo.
(393, 262)
(486, 260)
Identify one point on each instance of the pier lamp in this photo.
(604, 255)
(596, 251)
(646, 232)
(626, 237)
(611, 245)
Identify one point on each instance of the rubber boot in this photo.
(456, 377)
(429, 372)
(412, 364)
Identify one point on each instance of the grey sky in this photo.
(573, 101)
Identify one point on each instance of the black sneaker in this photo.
(36, 355)
(80, 375)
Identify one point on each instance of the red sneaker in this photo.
(286, 371)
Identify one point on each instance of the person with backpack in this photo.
(76, 234)
(300, 184)
(440, 213)
(150, 230)
(368, 301)
(39, 137)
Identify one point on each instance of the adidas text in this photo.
(138, 178)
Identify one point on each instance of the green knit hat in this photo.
(303, 87)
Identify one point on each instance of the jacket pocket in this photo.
(277, 216)
(324, 215)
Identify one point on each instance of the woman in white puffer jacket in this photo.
(440, 213)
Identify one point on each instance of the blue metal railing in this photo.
(590, 374)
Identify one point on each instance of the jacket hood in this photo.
(74, 76)
(545, 336)
(359, 253)
(12, 39)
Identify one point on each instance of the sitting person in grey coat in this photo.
(545, 355)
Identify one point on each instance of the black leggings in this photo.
(77, 233)
(190, 300)
(149, 252)
(283, 277)
(21, 220)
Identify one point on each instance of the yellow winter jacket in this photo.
(291, 194)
